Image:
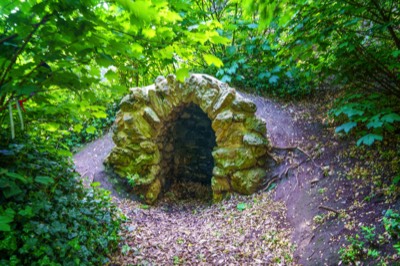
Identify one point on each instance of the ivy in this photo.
(46, 216)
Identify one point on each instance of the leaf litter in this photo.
(179, 230)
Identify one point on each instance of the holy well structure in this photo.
(199, 130)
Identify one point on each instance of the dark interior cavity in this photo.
(186, 147)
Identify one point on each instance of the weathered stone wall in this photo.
(152, 149)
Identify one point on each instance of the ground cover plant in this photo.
(46, 216)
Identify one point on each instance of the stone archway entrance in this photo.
(200, 130)
(187, 146)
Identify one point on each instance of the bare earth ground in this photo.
(278, 227)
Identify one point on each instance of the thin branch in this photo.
(389, 27)
(8, 38)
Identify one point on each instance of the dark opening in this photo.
(186, 153)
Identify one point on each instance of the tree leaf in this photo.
(375, 124)
(369, 139)
(45, 180)
(212, 60)
(111, 75)
(252, 26)
(226, 78)
(90, 130)
(4, 223)
(51, 127)
(273, 79)
(78, 128)
(100, 114)
(5, 219)
(390, 118)
(241, 206)
(65, 153)
(182, 73)
(220, 40)
(346, 127)
(17, 176)
(149, 33)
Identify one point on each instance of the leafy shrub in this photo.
(46, 216)
(354, 251)
(368, 246)
(252, 62)
(391, 221)
(369, 116)
(90, 129)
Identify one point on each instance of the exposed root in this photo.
(299, 149)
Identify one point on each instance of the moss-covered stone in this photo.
(234, 158)
(256, 124)
(241, 143)
(247, 181)
(254, 139)
(148, 146)
(153, 191)
(244, 105)
(225, 99)
(220, 184)
(151, 116)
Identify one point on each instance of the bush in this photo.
(91, 129)
(46, 216)
(368, 115)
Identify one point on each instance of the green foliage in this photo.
(343, 43)
(368, 232)
(241, 206)
(367, 247)
(368, 115)
(349, 42)
(360, 250)
(69, 61)
(353, 252)
(391, 221)
(250, 60)
(91, 129)
(46, 216)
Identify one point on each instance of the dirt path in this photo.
(194, 233)
(286, 127)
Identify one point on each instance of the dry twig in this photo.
(328, 209)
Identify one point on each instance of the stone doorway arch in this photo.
(146, 115)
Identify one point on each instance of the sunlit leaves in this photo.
(216, 39)
(77, 128)
(149, 33)
(51, 127)
(99, 114)
(142, 11)
(182, 73)
(90, 130)
(213, 60)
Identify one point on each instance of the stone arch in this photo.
(241, 143)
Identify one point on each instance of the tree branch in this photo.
(21, 49)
